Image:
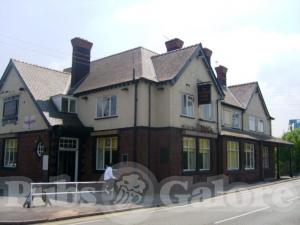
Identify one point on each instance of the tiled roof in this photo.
(243, 92)
(230, 98)
(167, 65)
(118, 68)
(44, 83)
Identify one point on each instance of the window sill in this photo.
(185, 116)
(9, 167)
(106, 117)
(205, 120)
(249, 169)
(233, 170)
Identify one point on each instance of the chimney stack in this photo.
(221, 75)
(81, 59)
(174, 44)
(207, 53)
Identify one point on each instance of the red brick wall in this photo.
(28, 163)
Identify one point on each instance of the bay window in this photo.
(10, 153)
(189, 154)
(232, 155)
(249, 156)
(266, 158)
(106, 151)
(204, 153)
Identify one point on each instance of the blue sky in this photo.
(256, 40)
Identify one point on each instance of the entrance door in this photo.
(67, 163)
(68, 157)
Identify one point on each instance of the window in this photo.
(189, 154)
(107, 106)
(68, 105)
(10, 108)
(236, 120)
(66, 143)
(261, 126)
(266, 161)
(204, 153)
(227, 118)
(187, 105)
(106, 151)
(10, 153)
(208, 112)
(249, 156)
(232, 155)
(252, 123)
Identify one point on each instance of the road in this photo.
(270, 205)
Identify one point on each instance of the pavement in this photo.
(106, 213)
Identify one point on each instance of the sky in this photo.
(257, 40)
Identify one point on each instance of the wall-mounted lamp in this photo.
(160, 88)
(125, 89)
(85, 98)
(21, 89)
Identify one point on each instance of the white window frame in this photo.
(252, 119)
(185, 110)
(191, 151)
(207, 151)
(260, 126)
(266, 157)
(225, 122)
(210, 110)
(233, 147)
(103, 149)
(102, 101)
(69, 104)
(236, 115)
(10, 153)
(249, 155)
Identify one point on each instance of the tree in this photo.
(294, 137)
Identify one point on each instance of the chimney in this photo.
(80, 59)
(221, 75)
(174, 44)
(207, 53)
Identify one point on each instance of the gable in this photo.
(27, 108)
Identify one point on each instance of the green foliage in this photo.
(294, 137)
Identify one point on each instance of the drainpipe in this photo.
(135, 116)
(149, 124)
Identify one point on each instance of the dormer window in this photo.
(65, 103)
(68, 105)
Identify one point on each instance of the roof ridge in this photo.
(176, 50)
(43, 67)
(243, 84)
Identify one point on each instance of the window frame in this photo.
(16, 157)
(12, 117)
(69, 99)
(208, 149)
(189, 153)
(260, 122)
(101, 100)
(251, 154)
(103, 151)
(185, 99)
(266, 160)
(237, 151)
(210, 110)
(253, 119)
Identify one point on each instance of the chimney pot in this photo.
(207, 53)
(221, 75)
(174, 44)
(81, 59)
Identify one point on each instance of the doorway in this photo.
(68, 157)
